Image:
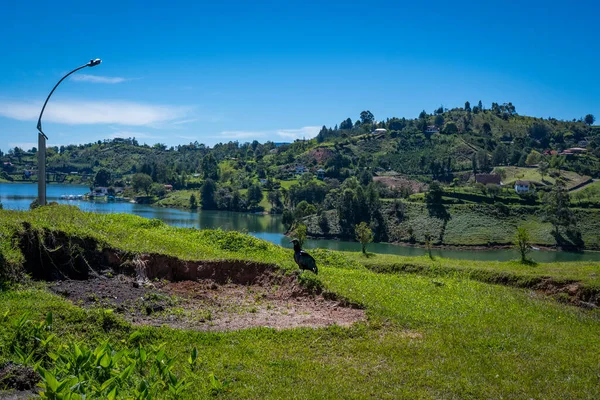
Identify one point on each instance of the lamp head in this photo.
(95, 62)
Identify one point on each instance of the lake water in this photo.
(18, 196)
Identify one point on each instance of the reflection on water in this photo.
(18, 196)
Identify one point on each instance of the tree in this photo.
(434, 195)
(450, 128)
(141, 182)
(300, 233)
(522, 242)
(208, 191)
(346, 124)
(274, 198)
(482, 160)
(367, 117)
(499, 155)
(210, 169)
(193, 202)
(255, 195)
(541, 133)
(428, 238)
(364, 235)
(439, 120)
(17, 152)
(486, 129)
(304, 209)
(480, 106)
(589, 119)
(287, 219)
(556, 208)
(467, 106)
(102, 178)
(158, 189)
(543, 168)
(533, 158)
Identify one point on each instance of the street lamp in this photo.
(42, 138)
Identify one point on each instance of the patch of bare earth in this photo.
(271, 300)
(399, 182)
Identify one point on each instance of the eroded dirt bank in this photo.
(155, 289)
(208, 305)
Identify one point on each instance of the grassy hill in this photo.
(426, 335)
(512, 174)
(469, 225)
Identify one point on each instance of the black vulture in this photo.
(303, 259)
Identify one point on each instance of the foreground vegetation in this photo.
(427, 336)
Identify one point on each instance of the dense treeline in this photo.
(446, 146)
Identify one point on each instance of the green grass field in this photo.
(442, 336)
(512, 174)
(179, 199)
(514, 272)
(472, 224)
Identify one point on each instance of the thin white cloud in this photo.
(185, 121)
(96, 112)
(307, 132)
(240, 134)
(98, 79)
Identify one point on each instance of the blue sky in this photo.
(278, 70)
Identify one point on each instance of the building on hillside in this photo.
(262, 181)
(379, 131)
(432, 129)
(523, 187)
(488, 179)
(583, 143)
(99, 191)
(321, 173)
(168, 188)
(300, 170)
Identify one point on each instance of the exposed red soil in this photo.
(399, 182)
(271, 301)
(320, 154)
(156, 289)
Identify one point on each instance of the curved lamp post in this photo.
(42, 138)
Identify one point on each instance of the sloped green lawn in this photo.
(426, 336)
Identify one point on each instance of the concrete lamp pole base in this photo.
(41, 169)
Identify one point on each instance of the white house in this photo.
(522, 186)
(379, 131)
(431, 129)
